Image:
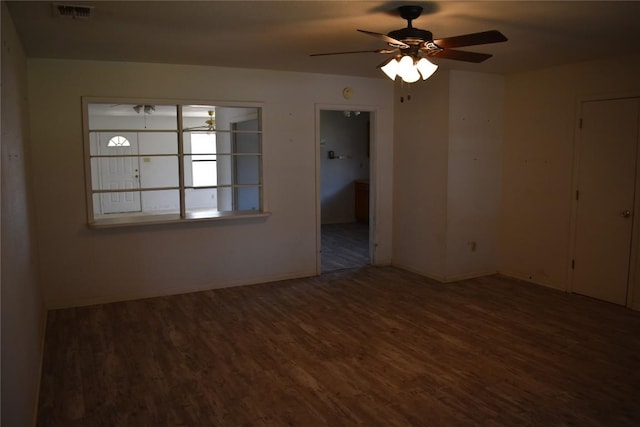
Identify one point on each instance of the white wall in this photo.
(474, 173)
(348, 138)
(447, 175)
(23, 314)
(420, 176)
(83, 266)
(539, 136)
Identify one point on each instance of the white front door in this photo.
(119, 173)
(605, 198)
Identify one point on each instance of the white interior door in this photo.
(119, 173)
(605, 198)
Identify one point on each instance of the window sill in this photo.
(142, 220)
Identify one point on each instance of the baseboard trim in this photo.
(527, 279)
(467, 276)
(431, 276)
(106, 299)
(445, 279)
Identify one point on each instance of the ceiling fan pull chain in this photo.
(405, 87)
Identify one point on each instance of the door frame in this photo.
(634, 255)
(373, 177)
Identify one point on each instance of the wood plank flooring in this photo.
(344, 246)
(371, 347)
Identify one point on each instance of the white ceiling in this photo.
(280, 35)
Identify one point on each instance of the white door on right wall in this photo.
(605, 198)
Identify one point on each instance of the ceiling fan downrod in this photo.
(410, 35)
(410, 13)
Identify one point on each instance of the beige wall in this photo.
(447, 175)
(82, 266)
(23, 313)
(420, 176)
(539, 137)
(474, 174)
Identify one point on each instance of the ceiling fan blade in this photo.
(385, 51)
(485, 37)
(462, 55)
(386, 38)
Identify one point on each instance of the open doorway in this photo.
(344, 189)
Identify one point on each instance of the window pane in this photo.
(247, 170)
(199, 200)
(115, 173)
(158, 143)
(120, 173)
(204, 173)
(239, 169)
(247, 199)
(100, 143)
(132, 116)
(132, 203)
(216, 118)
(161, 201)
(224, 166)
(116, 203)
(225, 199)
(200, 143)
(159, 171)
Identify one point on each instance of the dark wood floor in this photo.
(371, 347)
(344, 246)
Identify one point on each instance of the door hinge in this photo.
(577, 194)
(573, 264)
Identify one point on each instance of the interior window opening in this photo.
(171, 161)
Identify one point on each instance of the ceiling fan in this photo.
(145, 108)
(209, 124)
(411, 47)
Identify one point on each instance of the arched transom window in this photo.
(118, 141)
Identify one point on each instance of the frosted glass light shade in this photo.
(391, 68)
(426, 68)
(405, 66)
(411, 76)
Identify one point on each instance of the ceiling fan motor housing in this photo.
(411, 35)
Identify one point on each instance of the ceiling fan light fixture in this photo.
(426, 68)
(409, 68)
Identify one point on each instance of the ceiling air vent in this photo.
(74, 11)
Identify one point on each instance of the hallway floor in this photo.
(344, 246)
